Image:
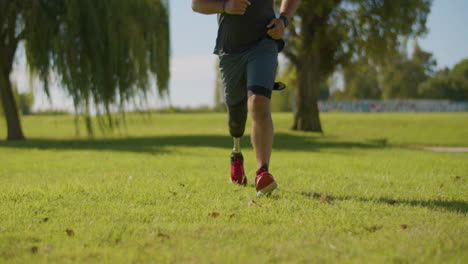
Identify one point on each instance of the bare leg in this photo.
(262, 128)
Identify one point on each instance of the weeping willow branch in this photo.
(104, 52)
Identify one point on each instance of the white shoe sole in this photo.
(268, 190)
(235, 182)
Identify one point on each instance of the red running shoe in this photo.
(237, 169)
(265, 184)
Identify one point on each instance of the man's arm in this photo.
(233, 7)
(289, 7)
(277, 26)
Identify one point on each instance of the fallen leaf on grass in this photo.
(34, 250)
(214, 214)
(325, 198)
(163, 235)
(70, 232)
(404, 226)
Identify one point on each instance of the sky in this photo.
(193, 64)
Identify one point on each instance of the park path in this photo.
(442, 149)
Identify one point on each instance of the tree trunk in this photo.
(10, 109)
(8, 45)
(306, 114)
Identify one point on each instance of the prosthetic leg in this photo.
(237, 119)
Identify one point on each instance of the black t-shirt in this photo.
(238, 33)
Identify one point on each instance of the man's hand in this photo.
(277, 28)
(236, 7)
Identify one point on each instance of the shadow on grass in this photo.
(452, 205)
(159, 144)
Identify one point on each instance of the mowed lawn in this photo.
(157, 190)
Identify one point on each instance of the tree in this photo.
(330, 33)
(459, 79)
(282, 101)
(24, 101)
(104, 52)
(402, 76)
(16, 96)
(361, 81)
(437, 87)
(448, 84)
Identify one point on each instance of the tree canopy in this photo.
(330, 33)
(448, 84)
(402, 75)
(102, 52)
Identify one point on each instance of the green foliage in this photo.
(402, 75)
(401, 80)
(331, 33)
(424, 58)
(361, 81)
(187, 109)
(446, 84)
(147, 196)
(346, 29)
(26, 102)
(436, 87)
(282, 101)
(103, 52)
(52, 112)
(459, 77)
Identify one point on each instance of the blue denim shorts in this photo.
(250, 72)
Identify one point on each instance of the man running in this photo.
(247, 46)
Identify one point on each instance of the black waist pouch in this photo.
(279, 42)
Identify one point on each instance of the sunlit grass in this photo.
(158, 191)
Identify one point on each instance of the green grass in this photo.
(144, 193)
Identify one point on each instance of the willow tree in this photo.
(330, 33)
(102, 52)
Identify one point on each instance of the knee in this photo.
(259, 107)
